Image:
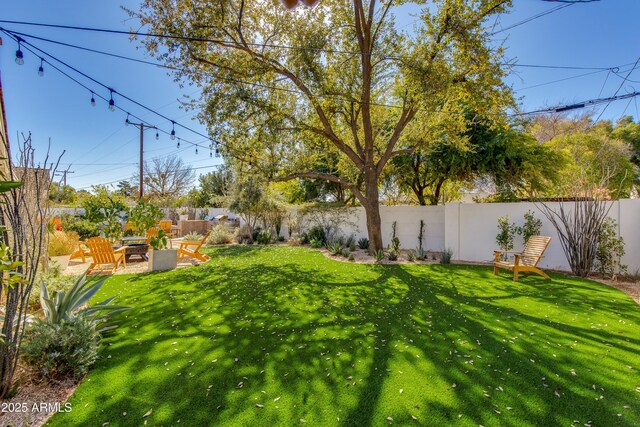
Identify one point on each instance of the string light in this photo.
(126, 122)
(173, 131)
(112, 104)
(19, 55)
(210, 153)
(93, 100)
(196, 149)
(178, 140)
(217, 152)
(157, 135)
(41, 69)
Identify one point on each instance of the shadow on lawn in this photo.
(325, 342)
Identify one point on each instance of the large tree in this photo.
(166, 178)
(281, 88)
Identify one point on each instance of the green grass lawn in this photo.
(283, 336)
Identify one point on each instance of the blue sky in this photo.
(102, 149)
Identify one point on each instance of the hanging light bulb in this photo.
(41, 69)
(126, 122)
(217, 152)
(178, 142)
(157, 136)
(173, 131)
(93, 100)
(210, 153)
(196, 149)
(112, 104)
(19, 55)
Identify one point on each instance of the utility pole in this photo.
(63, 174)
(142, 127)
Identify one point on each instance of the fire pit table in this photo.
(138, 249)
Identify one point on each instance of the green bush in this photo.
(411, 256)
(531, 227)
(506, 234)
(334, 248)
(241, 235)
(264, 237)
(317, 233)
(363, 243)
(379, 255)
(392, 255)
(220, 235)
(143, 216)
(610, 250)
(62, 350)
(85, 228)
(315, 244)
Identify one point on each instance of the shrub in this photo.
(315, 244)
(351, 257)
(242, 234)
(192, 237)
(363, 243)
(420, 254)
(85, 228)
(411, 256)
(62, 243)
(345, 252)
(304, 238)
(351, 242)
(610, 250)
(264, 237)
(143, 216)
(65, 349)
(379, 255)
(446, 256)
(317, 233)
(531, 227)
(392, 255)
(159, 241)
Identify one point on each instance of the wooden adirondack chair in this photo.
(192, 249)
(81, 252)
(152, 232)
(525, 261)
(104, 256)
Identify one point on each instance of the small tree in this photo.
(506, 233)
(247, 200)
(531, 227)
(610, 250)
(143, 216)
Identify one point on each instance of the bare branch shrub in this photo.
(24, 214)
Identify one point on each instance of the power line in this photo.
(531, 18)
(579, 105)
(619, 87)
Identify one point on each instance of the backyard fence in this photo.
(470, 229)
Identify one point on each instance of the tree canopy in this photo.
(282, 89)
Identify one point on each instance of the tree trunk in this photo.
(372, 211)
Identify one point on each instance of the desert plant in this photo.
(421, 236)
(194, 236)
(54, 280)
(420, 254)
(379, 255)
(345, 252)
(264, 237)
(183, 210)
(506, 234)
(62, 243)
(315, 243)
(610, 250)
(394, 246)
(62, 306)
(65, 349)
(351, 242)
(363, 243)
(334, 248)
(220, 235)
(392, 255)
(411, 256)
(159, 241)
(351, 257)
(446, 256)
(531, 227)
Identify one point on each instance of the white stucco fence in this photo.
(470, 229)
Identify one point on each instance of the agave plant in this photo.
(334, 248)
(66, 305)
(379, 255)
(420, 253)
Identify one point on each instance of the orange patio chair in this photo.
(151, 233)
(166, 226)
(104, 256)
(81, 252)
(192, 249)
